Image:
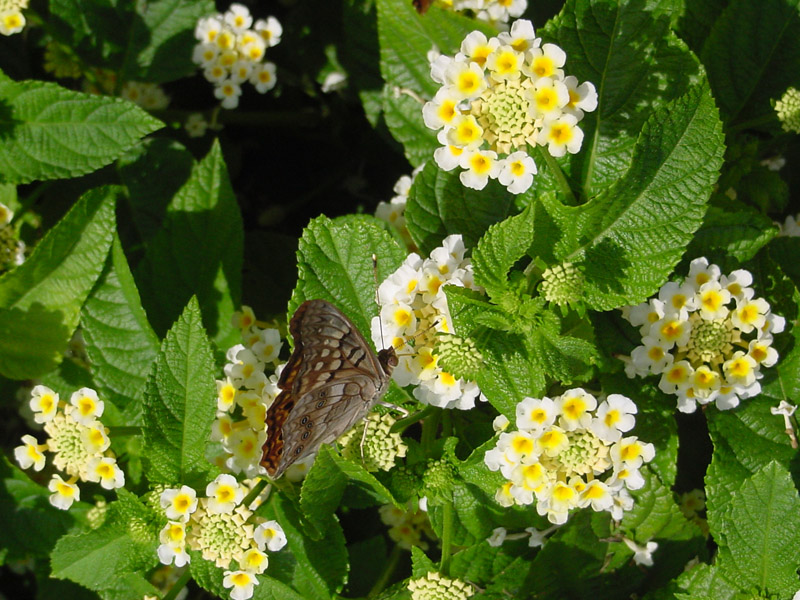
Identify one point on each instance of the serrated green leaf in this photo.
(706, 582)
(571, 565)
(629, 238)
(50, 132)
(421, 565)
(745, 441)
(439, 205)
(31, 525)
(119, 340)
(40, 300)
(180, 403)
(656, 516)
(565, 358)
(406, 37)
(152, 41)
(324, 486)
(206, 574)
(323, 563)
(197, 252)
(501, 246)
(403, 116)
(758, 540)
(161, 40)
(480, 564)
(734, 232)
(474, 515)
(637, 64)
(334, 263)
(763, 40)
(107, 559)
(509, 374)
(156, 159)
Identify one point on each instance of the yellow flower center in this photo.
(522, 445)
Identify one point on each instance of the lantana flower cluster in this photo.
(500, 95)
(149, 96)
(560, 450)
(11, 18)
(231, 53)
(372, 443)
(246, 393)
(414, 312)
(707, 337)
(77, 440)
(491, 11)
(408, 527)
(222, 529)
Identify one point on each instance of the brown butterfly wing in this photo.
(330, 382)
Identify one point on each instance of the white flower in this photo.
(642, 555)
(561, 135)
(228, 91)
(241, 582)
(517, 172)
(574, 408)
(44, 403)
(614, 417)
(536, 414)
(270, 535)
(498, 537)
(582, 97)
(546, 61)
(480, 165)
(173, 544)
(179, 504)
(64, 492)
(106, 471)
(521, 37)
(254, 561)
(238, 18)
(263, 77)
(89, 406)
(31, 454)
(224, 494)
(270, 30)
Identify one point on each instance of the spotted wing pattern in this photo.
(331, 381)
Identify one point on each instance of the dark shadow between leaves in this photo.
(603, 264)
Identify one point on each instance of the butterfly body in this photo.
(331, 381)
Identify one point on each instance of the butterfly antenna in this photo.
(378, 296)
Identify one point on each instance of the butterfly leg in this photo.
(361, 445)
(391, 406)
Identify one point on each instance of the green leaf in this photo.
(180, 403)
(31, 525)
(745, 442)
(636, 63)
(325, 483)
(758, 539)
(198, 251)
(481, 564)
(112, 559)
(474, 515)
(630, 237)
(334, 263)
(763, 41)
(706, 582)
(508, 374)
(656, 516)
(439, 204)
(151, 41)
(161, 40)
(499, 249)
(156, 159)
(421, 565)
(563, 357)
(403, 115)
(40, 300)
(52, 133)
(119, 340)
(731, 231)
(322, 563)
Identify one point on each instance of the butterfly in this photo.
(332, 380)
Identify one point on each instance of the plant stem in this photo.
(430, 427)
(179, 585)
(558, 174)
(447, 534)
(386, 574)
(403, 424)
(262, 483)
